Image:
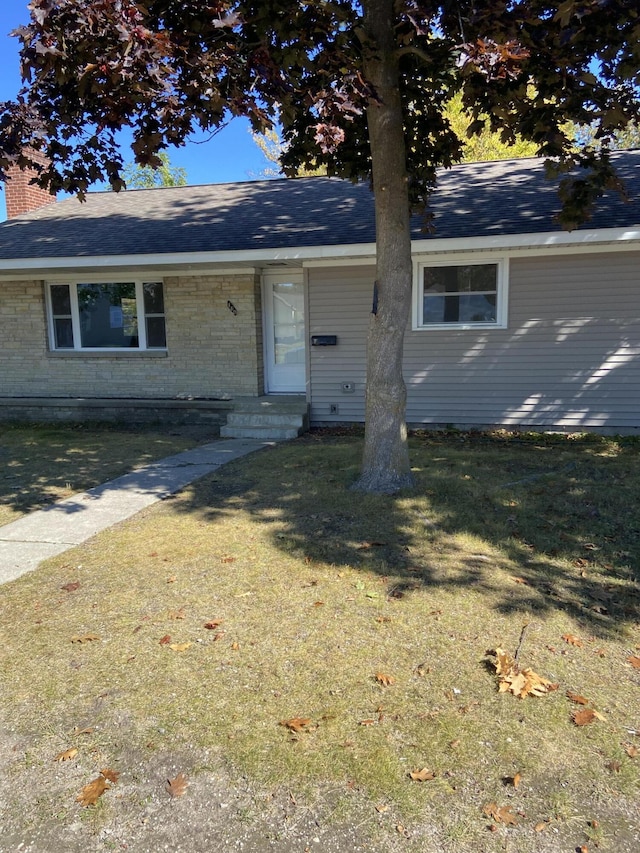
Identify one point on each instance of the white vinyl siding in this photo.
(570, 357)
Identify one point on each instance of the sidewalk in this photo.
(46, 532)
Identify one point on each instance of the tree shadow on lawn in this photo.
(532, 525)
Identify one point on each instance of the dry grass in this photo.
(40, 464)
(316, 590)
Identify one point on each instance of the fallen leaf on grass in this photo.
(382, 809)
(577, 698)
(71, 587)
(318, 603)
(296, 724)
(520, 682)
(613, 766)
(634, 661)
(516, 779)
(176, 614)
(385, 680)
(212, 624)
(631, 750)
(180, 647)
(541, 826)
(423, 775)
(366, 545)
(176, 787)
(573, 640)
(228, 560)
(367, 723)
(67, 755)
(84, 638)
(501, 814)
(519, 580)
(92, 792)
(110, 775)
(164, 640)
(585, 716)
(87, 731)
(172, 579)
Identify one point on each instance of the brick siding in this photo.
(211, 352)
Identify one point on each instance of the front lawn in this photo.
(298, 650)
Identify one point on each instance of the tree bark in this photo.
(385, 465)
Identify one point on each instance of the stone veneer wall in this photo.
(211, 352)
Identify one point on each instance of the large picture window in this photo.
(112, 315)
(467, 294)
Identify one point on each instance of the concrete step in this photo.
(293, 420)
(263, 433)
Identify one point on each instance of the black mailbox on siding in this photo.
(324, 340)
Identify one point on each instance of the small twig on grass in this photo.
(521, 641)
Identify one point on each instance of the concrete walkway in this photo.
(63, 525)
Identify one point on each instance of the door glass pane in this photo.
(288, 325)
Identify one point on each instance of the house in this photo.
(196, 301)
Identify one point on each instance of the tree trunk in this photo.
(386, 466)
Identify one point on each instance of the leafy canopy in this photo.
(164, 68)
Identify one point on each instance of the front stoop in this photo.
(272, 418)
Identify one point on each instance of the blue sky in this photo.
(230, 156)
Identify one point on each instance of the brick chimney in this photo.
(22, 196)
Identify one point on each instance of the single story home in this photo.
(201, 299)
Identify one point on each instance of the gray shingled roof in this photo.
(472, 200)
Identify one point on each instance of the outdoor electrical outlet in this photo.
(333, 408)
(348, 387)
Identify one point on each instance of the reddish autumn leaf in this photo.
(634, 661)
(212, 624)
(516, 779)
(318, 603)
(71, 587)
(613, 766)
(631, 750)
(296, 724)
(585, 716)
(384, 679)
(177, 787)
(423, 775)
(573, 640)
(367, 722)
(92, 792)
(228, 560)
(67, 755)
(164, 640)
(520, 581)
(577, 698)
(366, 545)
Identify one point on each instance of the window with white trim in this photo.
(466, 294)
(114, 315)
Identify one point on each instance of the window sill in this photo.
(75, 353)
(458, 327)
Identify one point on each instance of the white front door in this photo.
(285, 333)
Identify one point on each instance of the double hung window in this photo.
(468, 294)
(115, 315)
